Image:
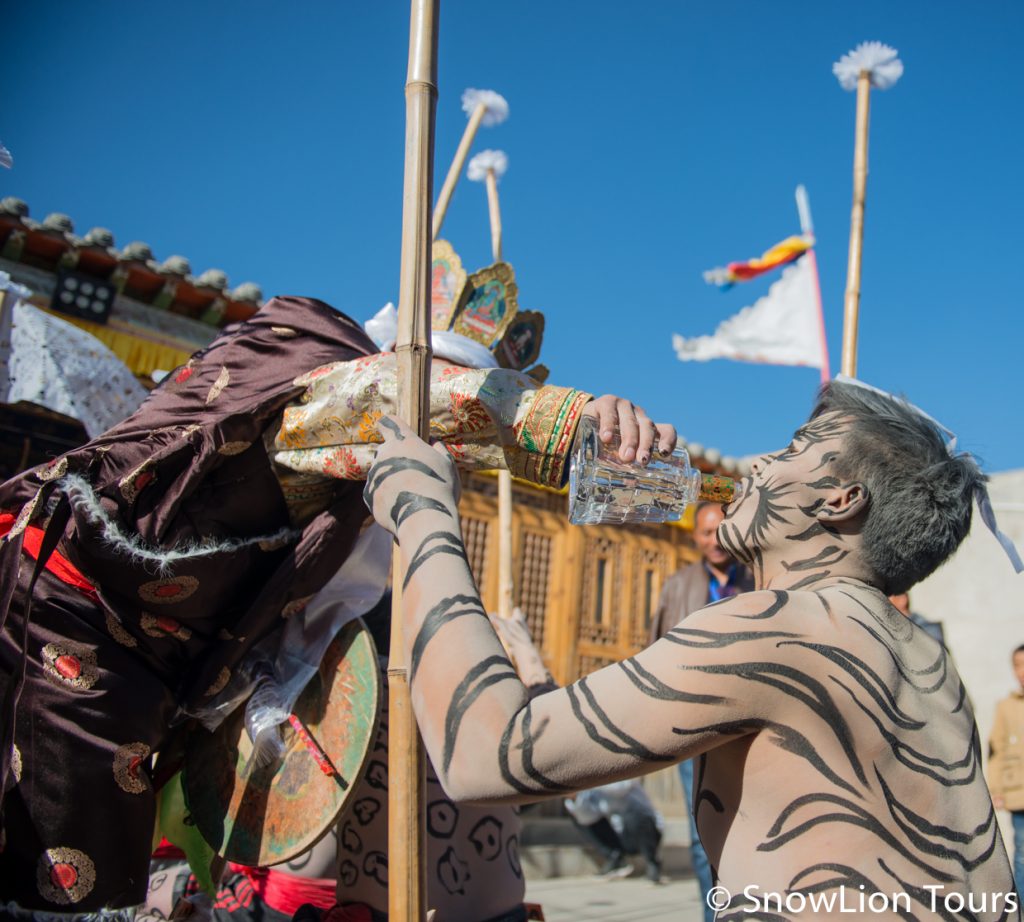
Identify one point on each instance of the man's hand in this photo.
(998, 802)
(409, 476)
(514, 634)
(639, 436)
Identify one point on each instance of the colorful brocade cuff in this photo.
(544, 435)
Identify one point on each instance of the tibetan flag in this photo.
(779, 255)
(782, 328)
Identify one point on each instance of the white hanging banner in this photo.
(782, 328)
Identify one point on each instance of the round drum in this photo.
(260, 816)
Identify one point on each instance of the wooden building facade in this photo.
(588, 592)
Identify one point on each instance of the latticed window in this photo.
(532, 581)
(475, 533)
(589, 664)
(602, 582)
(649, 565)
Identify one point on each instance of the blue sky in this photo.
(647, 142)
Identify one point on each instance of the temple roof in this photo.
(52, 244)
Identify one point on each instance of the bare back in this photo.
(867, 777)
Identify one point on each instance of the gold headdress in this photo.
(484, 307)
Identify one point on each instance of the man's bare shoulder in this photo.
(771, 617)
(765, 609)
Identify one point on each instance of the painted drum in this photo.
(266, 815)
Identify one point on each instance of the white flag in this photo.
(782, 328)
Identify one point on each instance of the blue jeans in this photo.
(701, 865)
(1018, 850)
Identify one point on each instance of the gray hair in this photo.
(920, 494)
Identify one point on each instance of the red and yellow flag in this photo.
(782, 253)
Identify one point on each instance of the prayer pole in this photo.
(483, 107)
(851, 300)
(491, 164)
(870, 64)
(407, 784)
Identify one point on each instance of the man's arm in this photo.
(687, 693)
(487, 418)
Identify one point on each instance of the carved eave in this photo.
(49, 246)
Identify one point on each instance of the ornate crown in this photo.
(484, 307)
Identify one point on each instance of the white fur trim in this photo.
(82, 497)
(14, 912)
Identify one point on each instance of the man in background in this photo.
(715, 576)
(902, 603)
(1006, 763)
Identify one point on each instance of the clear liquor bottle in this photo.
(606, 491)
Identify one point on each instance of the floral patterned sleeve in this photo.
(487, 418)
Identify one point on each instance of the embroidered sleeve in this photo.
(487, 418)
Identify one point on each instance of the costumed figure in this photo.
(140, 571)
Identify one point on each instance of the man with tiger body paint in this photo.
(839, 766)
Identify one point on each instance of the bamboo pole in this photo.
(406, 776)
(506, 583)
(455, 170)
(851, 303)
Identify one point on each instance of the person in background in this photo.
(624, 810)
(902, 602)
(715, 576)
(584, 810)
(1006, 763)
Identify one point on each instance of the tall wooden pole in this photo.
(506, 583)
(851, 304)
(455, 170)
(406, 778)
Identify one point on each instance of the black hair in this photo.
(920, 494)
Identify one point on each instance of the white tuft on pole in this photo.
(487, 161)
(484, 107)
(880, 62)
(870, 64)
(495, 105)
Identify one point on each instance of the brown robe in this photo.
(186, 473)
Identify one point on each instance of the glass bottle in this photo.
(606, 491)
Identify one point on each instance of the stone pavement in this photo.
(582, 899)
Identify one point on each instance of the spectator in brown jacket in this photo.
(715, 576)
(1006, 763)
